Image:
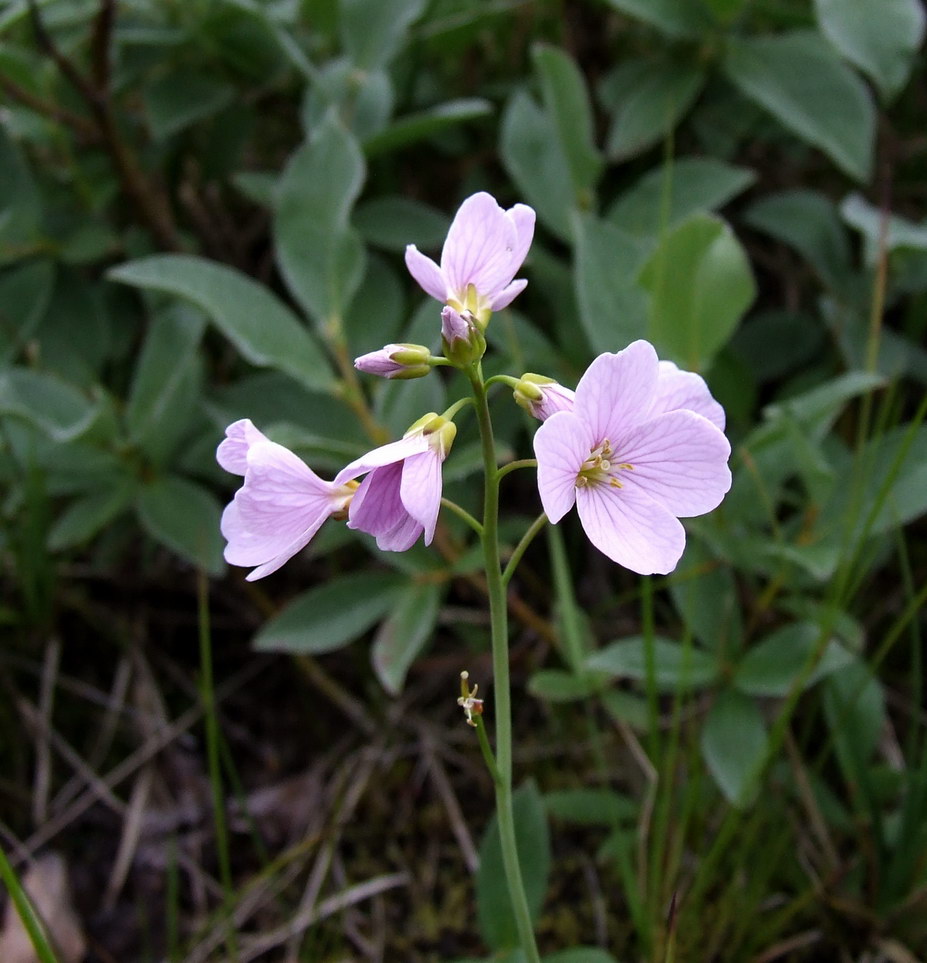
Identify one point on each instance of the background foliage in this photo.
(202, 213)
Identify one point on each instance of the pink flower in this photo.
(280, 506)
(402, 361)
(631, 461)
(541, 396)
(484, 249)
(401, 495)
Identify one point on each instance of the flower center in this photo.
(599, 469)
(470, 303)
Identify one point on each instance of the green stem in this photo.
(464, 514)
(500, 661)
(515, 465)
(24, 908)
(522, 546)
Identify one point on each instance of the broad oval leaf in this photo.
(403, 635)
(331, 615)
(800, 81)
(674, 666)
(734, 743)
(42, 400)
(590, 807)
(262, 328)
(426, 123)
(675, 18)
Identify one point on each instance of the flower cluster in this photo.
(638, 445)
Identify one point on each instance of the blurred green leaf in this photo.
(567, 103)
(89, 514)
(46, 402)
(392, 222)
(675, 667)
(808, 222)
(532, 835)
(675, 18)
(25, 292)
(165, 382)
(405, 633)
(734, 742)
(854, 706)
(534, 158)
(693, 185)
(881, 43)
(777, 344)
(771, 667)
(363, 100)
(331, 615)
(20, 202)
(180, 98)
(651, 97)
(426, 123)
(590, 807)
(319, 253)
(558, 685)
(580, 954)
(799, 80)
(867, 219)
(700, 283)
(705, 595)
(184, 517)
(612, 305)
(372, 31)
(261, 327)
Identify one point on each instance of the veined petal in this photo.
(420, 490)
(384, 455)
(523, 217)
(616, 392)
(426, 272)
(685, 389)
(561, 444)
(479, 247)
(266, 549)
(377, 509)
(232, 453)
(508, 294)
(631, 529)
(680, 461)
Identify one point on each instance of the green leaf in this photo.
(700, 283)
(534, 158)
(405, 633)
(88, 515)
(532, 835)
(331, 615)
(798, 79)
(705, 595)
(165, 383)
(854, 706)
(808, 222)
(590, 807)
(362, 101)
(612, 305)
(372, 31)
(693, 185)
(261, 327)
(881, 43)
(319, 253)
(42, 400)
(180, 98)
(25, 292)
(675, 666)
(393, 222)
(867, 219)
(558, 685)
(654, 96)
(20, 203)
(771, 667)
(734, 743)
(675, 18)
(580, 954)
(426, 123)
(184, 517)
(567, 103)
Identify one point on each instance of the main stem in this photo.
(498, 613)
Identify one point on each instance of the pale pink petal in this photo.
(685, 389)
(232, 453)
(426, 272)
(616, 391)
(420, 490)
(680, 461)
(631, 529)
(523, 217)
(384, 455)
(377, 509)
(554, 398)
(508, 294)
(561, 444)
(479, 247)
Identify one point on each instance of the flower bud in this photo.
(441, 431)
(400, 361)
(462, 337)
(542, 397)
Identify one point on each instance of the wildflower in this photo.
(280, 506)
(631, 463)
(399, 499)
(461, 337)
(402, 361)
(485, 246)
(541, 396)
(468, 700)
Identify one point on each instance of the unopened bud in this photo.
(541, 396)
(396, 361)
(462, 337)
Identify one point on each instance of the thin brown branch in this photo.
(80, 125)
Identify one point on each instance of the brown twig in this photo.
(80, 125)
